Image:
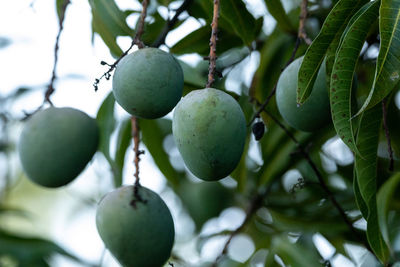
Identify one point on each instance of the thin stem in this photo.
(171, 23)
(321, 180)
(135, 41)
(213, 45)
(302, 22)
(50, 88)
(255, 204)
(136, 142)
(387, 135)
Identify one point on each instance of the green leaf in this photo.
(331, 29)
(153, 135)
(59, 7)
(106, 121)
(359, 199)
(292, 254)
(387, 73)
(366, 173)
(109, 22)
(343, 71)
(198, 42)
(384, 199)
(123, 142)
(30, 251)
(276, 10)
(240, 19)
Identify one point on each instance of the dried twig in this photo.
(302, 22)
(50, 88)
(387, 135)
(321, 181)
(136, 142)
(171, 23)
(213, 45)
(136, 41)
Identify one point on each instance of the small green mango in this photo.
(56, 144)
(137, 233)
(148, 83)
(315, 112)
(209, 129)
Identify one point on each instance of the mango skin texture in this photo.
(137, 235)
(315, 112)
(209, 130)
(56, 144)
(148, 83)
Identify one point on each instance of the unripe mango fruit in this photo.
(148, 83)
(209, 129)
(137, 232)
(56, 144)
(315, 112)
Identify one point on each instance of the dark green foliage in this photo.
(56, 144)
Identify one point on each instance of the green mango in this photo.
(148, 83)
(209, 129)
(56, 144)
(315, 112)
(137, 232)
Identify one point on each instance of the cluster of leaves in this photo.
(350, 33)
(359, 79)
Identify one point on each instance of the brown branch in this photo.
(171, 23)
(255, 204)
(213, 45)
(387, 135)
(50, 88)
(321, 181)
(136, 142)
(135, 41)
(302, 22)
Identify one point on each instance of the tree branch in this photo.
(321, 181)
(171, 23)
(136, 142)
(302, 22)
(50, 88)
(135, 41)
(213, 45)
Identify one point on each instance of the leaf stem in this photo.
(50, 88)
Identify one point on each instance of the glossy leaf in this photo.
(343, 71)
(292, 254)
(123, 142)
(384, 199)
(240, 19)
(153, 135)
(366, 173)
(198, 42)
(31, 251)
(387, 73)
(331, 29)
(277, 11)
(106, 121)
(109, 22)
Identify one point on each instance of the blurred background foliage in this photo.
(289, 218)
